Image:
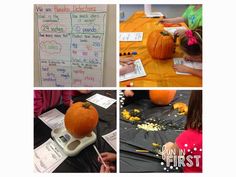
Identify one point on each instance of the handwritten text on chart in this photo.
(69, 8)
(71, 39)
(85, 76)
(87, 22)
(55, 73)
(87, 48)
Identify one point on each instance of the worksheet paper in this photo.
(101, 100)
(181, 61)
(172, 30)
(154, 14)
(138, 72)
(47, 157)
(131, 36)
(71, 42)
(53, 119)
(110, 138)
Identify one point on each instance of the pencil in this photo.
(141, 150)
(99, 155)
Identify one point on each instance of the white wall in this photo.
(168, 10)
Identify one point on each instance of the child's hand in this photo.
(185, 69)
(181, 68)
(104, 169)
(127, 69)
(107, 157)
(71, 102)
(85, 91)
(169, 149)
(169, 146)
(128, 93)
(107, 169)
(180, 32)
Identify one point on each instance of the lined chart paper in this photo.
(71, 44)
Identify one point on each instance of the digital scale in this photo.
(71, 145)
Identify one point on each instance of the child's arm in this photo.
(193, 58)
(185, 69)
(126, 60)
(66, 97)
(38, 103)
(174, 20)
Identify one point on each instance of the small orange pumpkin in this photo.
(80, 119)
(160, 45)
(161, 97)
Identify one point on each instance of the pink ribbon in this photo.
(191, 39)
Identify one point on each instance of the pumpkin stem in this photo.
(165, 33)
(86, 105)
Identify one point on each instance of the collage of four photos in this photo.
(126, 102)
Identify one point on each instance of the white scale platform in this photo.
(70, 145)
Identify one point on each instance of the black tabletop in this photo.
(132, 138)
(86, 160)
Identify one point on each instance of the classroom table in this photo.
(160, 73)
(86, 160)
(133, 138)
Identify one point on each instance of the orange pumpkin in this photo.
(80, 119)
(160, 45)
(162, 97)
